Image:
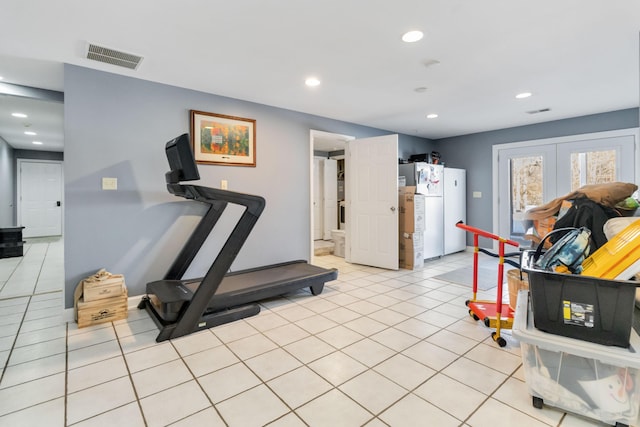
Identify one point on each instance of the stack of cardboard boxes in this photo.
(412, 223)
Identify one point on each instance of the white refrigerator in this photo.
(428, 180)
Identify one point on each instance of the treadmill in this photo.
(180, 307)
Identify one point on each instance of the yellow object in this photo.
(619, 258)
(566, 310)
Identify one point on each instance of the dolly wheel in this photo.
(472, 314)
(537, 402)
(467, 303)
(487, 322)
(501, 341)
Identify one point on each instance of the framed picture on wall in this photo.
(223, 140)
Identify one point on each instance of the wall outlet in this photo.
(224, 184)
(477, 194)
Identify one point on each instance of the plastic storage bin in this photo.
(582, 307)
(592, 380)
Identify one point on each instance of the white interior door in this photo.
(40, 198)
(371, 235)
(330, 201)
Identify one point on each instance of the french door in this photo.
(532, 173)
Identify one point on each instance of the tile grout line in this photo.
(15, 339)
(21, 323)
(181, 358)
(133, 385)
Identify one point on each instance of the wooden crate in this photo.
(102, 310)
(109, 287)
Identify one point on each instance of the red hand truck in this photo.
(493, 314)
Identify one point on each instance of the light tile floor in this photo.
(376, 348)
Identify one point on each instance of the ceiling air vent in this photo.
(542, 110)
(113, 57)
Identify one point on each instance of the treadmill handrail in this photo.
(255, 204)
(218, 200)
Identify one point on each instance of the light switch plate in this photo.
(109, 183)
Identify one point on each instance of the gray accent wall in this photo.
(7, 185)
(117, 127)
(474, 153)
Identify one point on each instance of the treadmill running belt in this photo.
(240, 287)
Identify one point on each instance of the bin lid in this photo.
(524, 330)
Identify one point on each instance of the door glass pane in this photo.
(526, 191)
(592, 167)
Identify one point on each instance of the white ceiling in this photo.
(577, 57)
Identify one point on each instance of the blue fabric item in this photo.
(570, 251)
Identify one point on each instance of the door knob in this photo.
(58, 203)
(393, 208)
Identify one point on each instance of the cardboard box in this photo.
(517, 280)
(544, 226)
(102, 310)
(411, 208)
(411, 253)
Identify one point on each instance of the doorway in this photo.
(326, 210)
(371, 199)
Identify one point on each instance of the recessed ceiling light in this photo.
(523, 95)
(29, 132)
(1, 77)
(37, 142)
(21, 115)
(421, 89)
(412, 36)
(312, 82)
(432, 116)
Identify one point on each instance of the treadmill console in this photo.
(181, 161)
